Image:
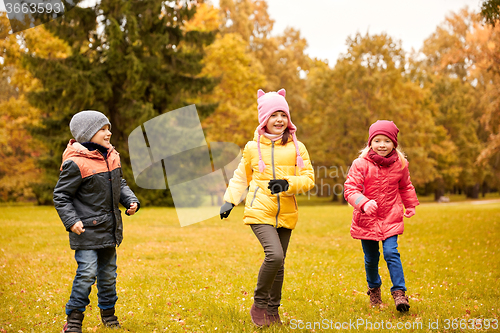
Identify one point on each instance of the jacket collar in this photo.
(264, 140)
(371, 160)
(71, 151)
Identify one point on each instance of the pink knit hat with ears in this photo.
(267, 105)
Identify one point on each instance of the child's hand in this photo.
(278, 185)
(370, 207)
(77, 228)
(410, 211)
(225, 210)
(132, 209)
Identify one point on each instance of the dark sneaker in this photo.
(73, 322)
(375, 296)
(109, 319)
(401, 300)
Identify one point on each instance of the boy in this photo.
(86, 197)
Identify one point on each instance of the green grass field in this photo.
(201, 278)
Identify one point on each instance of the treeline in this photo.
(134, 60)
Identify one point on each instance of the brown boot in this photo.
(109, 319)
(259, 316)
(274, 319)
(74, 322)
(401, 300)
(375, 296)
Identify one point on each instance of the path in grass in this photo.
(201, 278)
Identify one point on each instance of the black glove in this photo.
(278, 185)
(225, 210)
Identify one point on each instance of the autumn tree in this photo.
(239, 77)
(248, 18)
(260, 61)
(131, 60)
(490, 10)
(462, 54)
(368, 83)
(20, 171)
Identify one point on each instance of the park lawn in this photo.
(201, 278)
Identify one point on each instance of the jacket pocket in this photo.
(356, 216)
(365, 221)
(99, 231)
(254, 196)
(394, 214)
(295, 201)
(93, 221)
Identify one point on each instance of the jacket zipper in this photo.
(274, 177)
(254, 195)
(112, 199)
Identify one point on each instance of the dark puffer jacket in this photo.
(89, 190)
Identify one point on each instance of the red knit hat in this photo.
(268, 104)
(385, 127)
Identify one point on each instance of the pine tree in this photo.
(131, 60)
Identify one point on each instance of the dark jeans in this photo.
(392, 258)
(274, 241)
(92, 264)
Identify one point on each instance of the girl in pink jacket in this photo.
(377, 186)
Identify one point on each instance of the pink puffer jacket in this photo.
(390, 187)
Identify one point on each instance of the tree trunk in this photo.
(472, 192)
(485, 189)
(438, 193)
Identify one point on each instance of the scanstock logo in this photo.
(171, 150)
(26, 14)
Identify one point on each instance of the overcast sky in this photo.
(326, 24)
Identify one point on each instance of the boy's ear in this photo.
(260, 93)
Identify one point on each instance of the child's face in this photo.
(382, 145)
(277, 123)
(102, 137)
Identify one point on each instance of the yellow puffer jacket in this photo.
(262, 207)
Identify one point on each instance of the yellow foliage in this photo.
(240, 76)
(206, 19)
(18, 149)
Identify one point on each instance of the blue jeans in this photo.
(392, 258)
(92, 264)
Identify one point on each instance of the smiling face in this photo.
(382, 145)
(277, 123)
(102, 137)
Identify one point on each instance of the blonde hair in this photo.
(402, 157)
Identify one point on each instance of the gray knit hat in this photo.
(85, 124)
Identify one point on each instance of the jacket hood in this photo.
(71, 151)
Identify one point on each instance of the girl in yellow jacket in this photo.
(275, 167)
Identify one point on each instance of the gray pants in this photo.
(274, 241)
